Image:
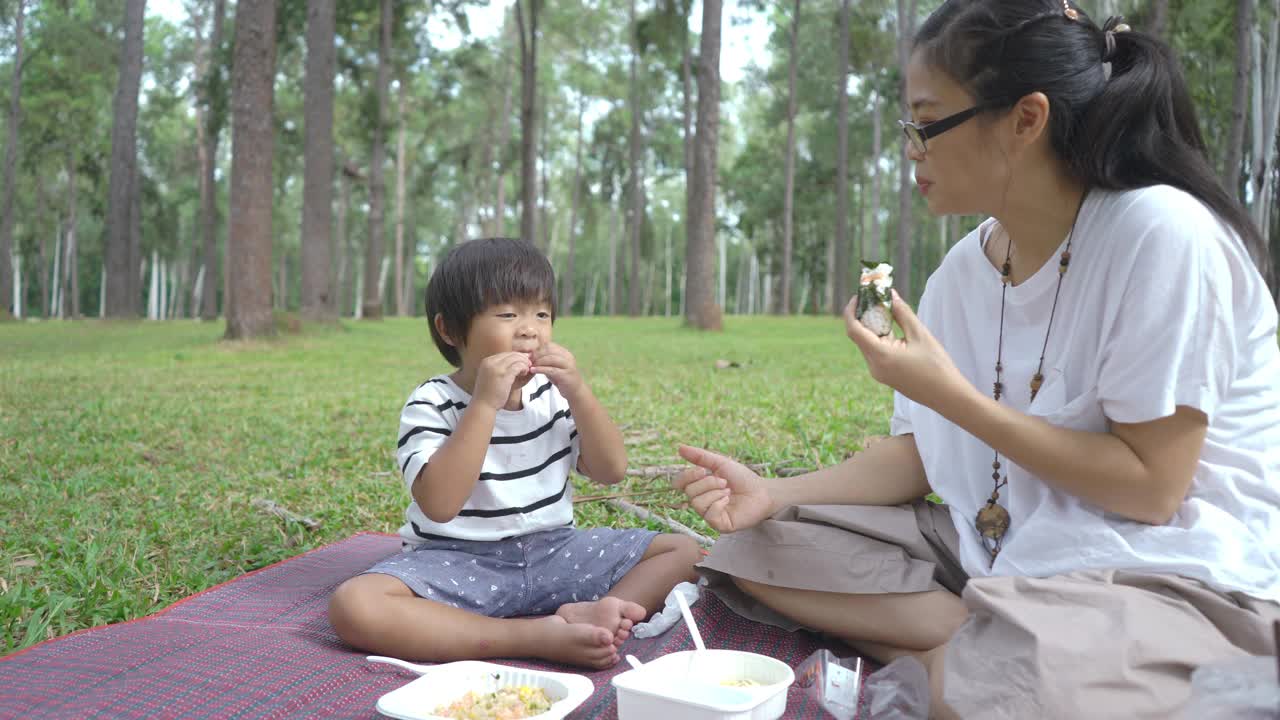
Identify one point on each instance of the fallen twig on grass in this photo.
(641, 437)
(615, 496)
(656, 471)
(283, 513)
(784, 469)
(677, 527)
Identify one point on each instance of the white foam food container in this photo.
(443, 684)
(696, 685)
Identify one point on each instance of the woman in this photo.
(1092, 387)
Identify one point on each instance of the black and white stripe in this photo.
(523, 485)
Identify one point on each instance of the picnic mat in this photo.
(260, 646)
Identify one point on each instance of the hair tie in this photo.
(1114, 24)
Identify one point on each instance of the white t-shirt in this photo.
(1162, 307)
(524, 483)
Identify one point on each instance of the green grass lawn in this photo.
(130, 454)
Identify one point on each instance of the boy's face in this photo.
(522, 326)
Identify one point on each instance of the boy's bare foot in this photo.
(581, 644)
(613, 614)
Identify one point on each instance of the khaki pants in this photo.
(1102, 644)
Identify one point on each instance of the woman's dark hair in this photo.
(478, 274)
(1134, 129)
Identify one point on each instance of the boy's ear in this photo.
(438, 321)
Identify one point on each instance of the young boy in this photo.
(493, 566)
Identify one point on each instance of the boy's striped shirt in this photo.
(524, 483)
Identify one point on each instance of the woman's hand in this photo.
(723, 491)
(915, 365)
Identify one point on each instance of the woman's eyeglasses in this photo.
(918, 135)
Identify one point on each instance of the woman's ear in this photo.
(438, 321)
(1030, 118)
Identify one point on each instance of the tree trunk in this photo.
(902, 277)
(1233, 169)
(829, 278)
(566, 278)
(487, 174)
(317, 189)
(136, 260)
(528, 129)
(68, 302)
(73, 243)
(1266, 107)
(18, 289)
(402, 302)
(667, 256)
(788, 197)
(840, 255)
(121, 266)
(686, 81)
(153, 288)
(42, 272)
(544, 220)
(722, 268)
(466, 197)
(211, 126)
(701, 310)
(347, 300)
(873, 241)
(1159, 18)
(375, 245)
(55, 278)
(498, 227)
(613, 259)
(248, 306)
(411, 282)
(11, 164)
(647, 302)
(1273, 134)
(635, 217)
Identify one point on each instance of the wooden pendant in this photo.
(993, 521)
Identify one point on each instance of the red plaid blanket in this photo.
(260, 646)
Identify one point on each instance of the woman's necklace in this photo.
(992, 521)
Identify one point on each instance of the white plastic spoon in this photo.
(417, 669)
(688, 620)
(693, 631)
(634, 661)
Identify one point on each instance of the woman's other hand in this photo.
(726, 493)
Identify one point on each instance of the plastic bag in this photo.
(899, 691)
(1240, 689)
(664, 619)
(832, 681)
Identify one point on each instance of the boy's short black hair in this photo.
(481, 273)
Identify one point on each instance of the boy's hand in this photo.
(496, 375)
(559, 366)
(726, 493)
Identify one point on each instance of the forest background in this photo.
(396, 128)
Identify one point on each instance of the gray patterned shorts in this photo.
(527, 575)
